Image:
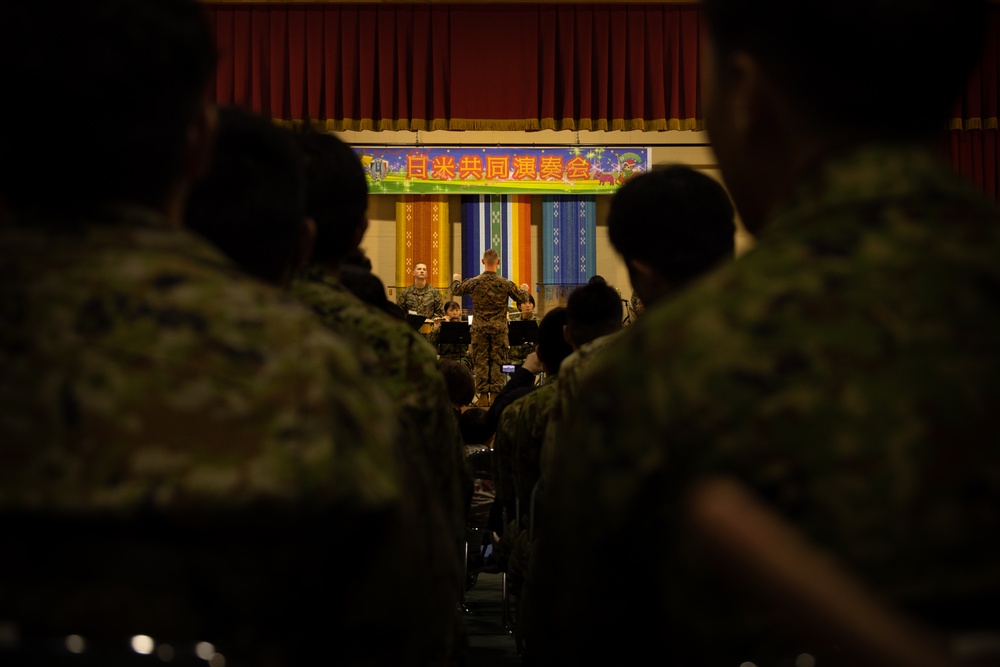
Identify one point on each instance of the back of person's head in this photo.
(368, 287)
(357, 257)
(336, 193)
(552, 344)
(491, 256)
(592, 310)
(676, 220)
(459, 380)
(474, 427)
(883, 65)
(251, 204)
(100, 101)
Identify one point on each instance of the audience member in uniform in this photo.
(522, 424)
(461, 385)
(251, 204)
(490, 292)
(670, 225)
(397, 357)
(186, 453)
(846, 368)
(356, 275)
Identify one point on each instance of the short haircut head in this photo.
(675, 219)
(459, 380)
(593, 310)
(251, 204)
(895, 67)
(336, 193)
(552, 345)
(491, 256)
(113, 87)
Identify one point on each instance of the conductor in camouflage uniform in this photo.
(186, 452)
(490, 292)
(846, 369)
(421, 297)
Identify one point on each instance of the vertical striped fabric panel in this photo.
(501, 222)
(569, 251)
(423, 234)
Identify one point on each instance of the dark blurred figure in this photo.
(401, 361)
(187, 454)
(251, 204)
(670, 225)
(846, 368)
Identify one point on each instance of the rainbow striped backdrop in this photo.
(569, 251)
(501, 222)
(423, 234)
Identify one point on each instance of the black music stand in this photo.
(522, 332)
(454, 333)
(415, 321)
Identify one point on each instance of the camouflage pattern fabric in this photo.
(571, 373)
(489, 326)
(847, 368)
(489, 354)
(517, 446)
(406, 366)
(424, 300)
(148, 384)
(517, 353)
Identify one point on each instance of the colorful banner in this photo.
(569, 252)
(423, 234)
(447, 170)
(501, 222)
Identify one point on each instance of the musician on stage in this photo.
(489, 292)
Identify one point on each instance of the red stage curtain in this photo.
(462, 67)
(971, 142)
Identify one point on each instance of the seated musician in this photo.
(527, 312)
(457, 351)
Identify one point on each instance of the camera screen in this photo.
(508, 368)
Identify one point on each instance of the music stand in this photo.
(415, 321)
(454, 333)
(522, 332)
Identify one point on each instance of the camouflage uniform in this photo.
(517, 449)
(518, 444)
(405, 365)
(425, 300)
(227, 445)
(490, 292)
(632, 309)
(847, 368)
(519, 352)
(571, 373)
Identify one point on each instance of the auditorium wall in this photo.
(673, 146)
